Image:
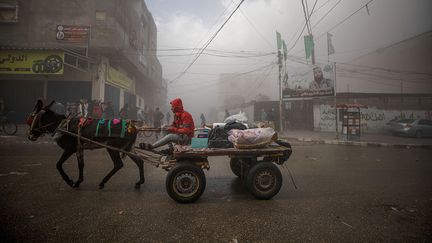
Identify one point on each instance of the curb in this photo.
(357, 143)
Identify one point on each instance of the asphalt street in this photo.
(344, 194)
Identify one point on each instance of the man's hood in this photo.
(177, 105)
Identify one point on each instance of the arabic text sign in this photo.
(31, 62)
(118, 79)
(71, 33)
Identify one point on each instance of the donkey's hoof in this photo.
(137, 185)
(101, 186)
(76, 185)
(70, 183)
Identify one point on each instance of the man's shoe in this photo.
(168, 151)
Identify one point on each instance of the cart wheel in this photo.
(185, 183)
(264, 180)
(236, 165)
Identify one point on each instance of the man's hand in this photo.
(172, 129)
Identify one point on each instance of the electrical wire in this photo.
(207, 85)
(338, 24)
(208, 43)
(304, 26)
(325, 15)
(218, 79)
(253, 26)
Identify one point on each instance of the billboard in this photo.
(307, 81)
(118, 79)
(72, 33)
(31, 62)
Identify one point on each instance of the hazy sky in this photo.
(187, 24)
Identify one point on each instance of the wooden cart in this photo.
(186, 181)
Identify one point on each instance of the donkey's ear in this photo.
(38, 105)
(51, 103)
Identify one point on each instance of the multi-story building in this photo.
(68, 50)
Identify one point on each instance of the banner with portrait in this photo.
(308, 81)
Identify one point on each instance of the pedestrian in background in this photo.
(124, 112)
(168, 117)
(108, 111)
(83, 108)
(157, 119)
(203, 120)
(227, 114)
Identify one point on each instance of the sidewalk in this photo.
(366, 139)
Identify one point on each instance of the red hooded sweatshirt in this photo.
(183, 122)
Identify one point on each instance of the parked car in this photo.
(411, 127)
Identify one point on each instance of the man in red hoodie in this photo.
(181, 130)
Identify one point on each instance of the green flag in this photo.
(279, 40)
(284, 50)
(309, 45)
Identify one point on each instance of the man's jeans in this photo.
(172, 138)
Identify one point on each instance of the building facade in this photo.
(102, 50)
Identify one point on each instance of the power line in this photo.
(306, 17)
(250, 71)
(339, 23)
(304, 26)
(225, 80)
(253, 26)
(302, 60)
(208, 43)
(214, 24)
(334, 27)
(325, 15)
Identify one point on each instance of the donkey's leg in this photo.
(140, 164)
(118, 164)
(66, 154)
(80, 158)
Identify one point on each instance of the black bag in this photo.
(218, 138)
(234, 125)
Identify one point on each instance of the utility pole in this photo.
(401, 90)
(280, 89)
(335, 103)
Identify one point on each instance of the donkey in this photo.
(115, 134)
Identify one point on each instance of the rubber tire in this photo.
(190, 170)
(235, 165)
(259, 170)
(419, 134)
(9, 128)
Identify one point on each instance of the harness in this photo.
(41, 128)
(102, 122)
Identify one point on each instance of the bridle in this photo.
(41, 128)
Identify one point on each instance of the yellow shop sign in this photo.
(31, 62)
(118, 79)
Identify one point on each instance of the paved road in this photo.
(344, 194)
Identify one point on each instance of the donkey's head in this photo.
(43, 120)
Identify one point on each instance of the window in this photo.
(100, 15)
(8, 12)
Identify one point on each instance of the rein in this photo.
(42, 129)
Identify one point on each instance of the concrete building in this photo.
(68, 50)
